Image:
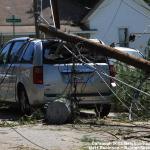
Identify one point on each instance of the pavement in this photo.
(86, 133)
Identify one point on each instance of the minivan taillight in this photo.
(112, 74)
(38, 75)
(112, 70)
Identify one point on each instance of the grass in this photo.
(7, 124)
(36, 117)
(22, 147)
(24, 120)
(10, 116)
(132, 77)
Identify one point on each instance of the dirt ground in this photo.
(86, 133)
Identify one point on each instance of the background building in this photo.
(120, 21)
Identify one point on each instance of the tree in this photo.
(147, 1)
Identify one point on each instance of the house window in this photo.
(123, 37)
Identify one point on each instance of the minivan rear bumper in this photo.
(84, 98)
(96, 100)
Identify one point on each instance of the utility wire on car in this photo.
(20, 54)
(98, 75)
(105, 81)
(7, 71)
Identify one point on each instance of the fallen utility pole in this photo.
(99, 48)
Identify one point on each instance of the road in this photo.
(77, 136)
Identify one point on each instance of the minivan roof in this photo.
(130, 51)
(20, 39)
(125, 49)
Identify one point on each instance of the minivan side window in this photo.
(14, 51)
(4, 53)
(27, 55)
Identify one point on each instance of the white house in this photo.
(116, 20)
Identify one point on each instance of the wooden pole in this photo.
(99, 48)
(58, 111)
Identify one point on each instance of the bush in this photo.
(137, 79)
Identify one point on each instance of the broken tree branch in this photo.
(99, 48)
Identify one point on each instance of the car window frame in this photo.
(2, 61)
(23, 53)
(16, 59)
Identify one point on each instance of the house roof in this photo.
(70, 11)
(141, 3)
(19, 8)
(92, 10)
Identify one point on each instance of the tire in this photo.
(24, 102)
(102, 110)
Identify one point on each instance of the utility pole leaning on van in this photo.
(64, 104)
(99, 48)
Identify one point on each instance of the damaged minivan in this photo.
(35, 72)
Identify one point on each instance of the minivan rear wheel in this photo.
(102, 110)
(24, 102)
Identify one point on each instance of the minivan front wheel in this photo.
(24, 102)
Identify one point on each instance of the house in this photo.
(71, 13)
(126, 22)
(120, 21)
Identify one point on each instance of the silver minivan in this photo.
(36, 71)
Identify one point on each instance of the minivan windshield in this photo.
(56, 52)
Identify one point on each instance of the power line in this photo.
(6, 96)
(55, 13)
(98, 48)
(104, 73)
(113, 19)
(25, 48)
(132, 98)
(99, 76)
(129, 108)
(52, 12)
(99, 73)
(25, 137)
(41, 12)
(126, 84)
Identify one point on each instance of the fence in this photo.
(4, 37)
